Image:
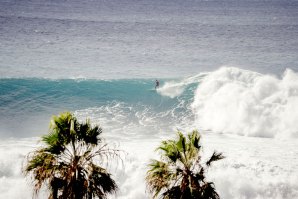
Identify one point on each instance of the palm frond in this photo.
(54, 143)
(65, 165)
(180, 174)
(172, 193)
(100, 182)
(215, 157)
(208, 191)
(169, 150)
(158, 176)
(43, 166)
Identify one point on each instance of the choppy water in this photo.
(99, 59)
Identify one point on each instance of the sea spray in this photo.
(232, 100)
(176, 88)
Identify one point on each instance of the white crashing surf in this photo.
(254, 168)
(229, 100)
(175, 88)
(232, 100)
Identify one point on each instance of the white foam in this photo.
(253, 168)
(247, 102)
(232, 100)
(175, 88)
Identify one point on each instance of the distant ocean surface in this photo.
(227, 68)
(145, 39)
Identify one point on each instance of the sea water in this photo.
(227, 68)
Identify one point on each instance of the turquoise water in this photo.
(29, 103)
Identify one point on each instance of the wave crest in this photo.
(232, 100)
(176, 88)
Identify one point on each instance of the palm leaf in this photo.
(180, 173)
(215, 157)
(65, 164)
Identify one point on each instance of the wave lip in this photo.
(232, 100)
(174, 89)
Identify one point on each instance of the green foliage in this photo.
(180, 173)
(68, 164)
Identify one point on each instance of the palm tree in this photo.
(180, 174)
(69, 162)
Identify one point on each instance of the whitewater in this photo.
(248, 116)
(227, 68)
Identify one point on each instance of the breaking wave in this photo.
(232, 100)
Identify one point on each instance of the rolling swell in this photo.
(229, 100)
(31, 102)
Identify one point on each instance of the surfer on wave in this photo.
(156, 84)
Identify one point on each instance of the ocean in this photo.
(227, 68)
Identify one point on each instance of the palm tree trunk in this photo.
(54, 189)
(89, 195)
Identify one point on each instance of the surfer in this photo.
(156, 84)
